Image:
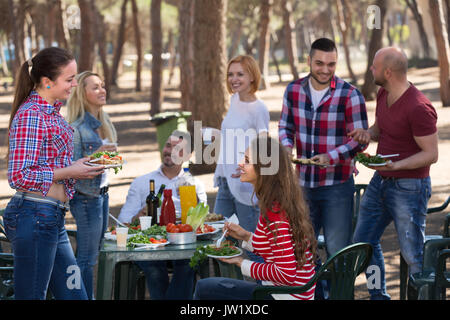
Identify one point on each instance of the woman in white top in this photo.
(246, 117)
(93, 132)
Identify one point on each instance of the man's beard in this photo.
(322, 82)
(379, 82)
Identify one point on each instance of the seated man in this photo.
(182, 284)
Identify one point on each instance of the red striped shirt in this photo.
(276, 246)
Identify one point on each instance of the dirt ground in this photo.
(129, 112)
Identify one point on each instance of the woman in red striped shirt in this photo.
(284, 236)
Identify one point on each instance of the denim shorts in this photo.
(43, 255)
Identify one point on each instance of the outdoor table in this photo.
(110, 255)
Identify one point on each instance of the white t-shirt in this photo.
(316, 95)
(243, 121)
(140, 188)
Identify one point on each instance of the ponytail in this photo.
(46, 63)
(23, 89)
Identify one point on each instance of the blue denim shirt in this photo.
(86, 140)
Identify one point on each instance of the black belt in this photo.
(104, 190)
(388, 178)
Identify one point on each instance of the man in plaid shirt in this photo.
(318, 113)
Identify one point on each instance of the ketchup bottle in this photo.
(167, 209)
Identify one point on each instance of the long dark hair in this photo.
(282, 188)
(46, 63)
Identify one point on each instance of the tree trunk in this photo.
(119, 43)
(447, 10)
(186, 47)
(157, 63)
(15, 39)
(50, 27)
(62, 34)
(210, 97)
(412, 4)
(344, 21)
(443, 51)
(137, 39)
(173, 56)
(236, 40)
(100, 36)
(290, 44)
(264, 42)
(5, 68)
(273, 48)
(376, 41)
(87, 43)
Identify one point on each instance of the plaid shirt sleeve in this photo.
(26, 138)
(356, 117)
(286, 125)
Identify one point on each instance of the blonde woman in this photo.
(93, 132)
(249, 114)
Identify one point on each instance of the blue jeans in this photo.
(331, 208)
(43, 256)
(403, 201)
(180, 287)
(91, 216)
(224, 289)
(248, 216)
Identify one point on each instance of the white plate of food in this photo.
(142, 246)
(110, 236)
(224, 252)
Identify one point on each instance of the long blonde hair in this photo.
(77, 105)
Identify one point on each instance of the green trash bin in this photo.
(167, 122)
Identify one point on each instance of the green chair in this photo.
(404, 265)
(359, 192)
(442, 275)
(430, 282)
(341, 269)
(6, 266)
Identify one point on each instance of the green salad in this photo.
(365, 159)
(155, 230)
(202, 252)
(138, 238)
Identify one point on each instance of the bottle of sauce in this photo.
(152, 203)
(167, 209)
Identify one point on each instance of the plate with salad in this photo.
(223, 252)
(141, 241)
(371, 161)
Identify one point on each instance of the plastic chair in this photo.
(6, 266)
(404, 265)
(341, 269)
(359, 192)
(442, 275)
(428, 284)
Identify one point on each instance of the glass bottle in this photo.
(167, 209)
(152, 203)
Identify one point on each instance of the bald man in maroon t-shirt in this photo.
(405, 123)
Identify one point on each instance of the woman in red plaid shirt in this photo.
(40, 168)
(284, 236)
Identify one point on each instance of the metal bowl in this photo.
(181, 237)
